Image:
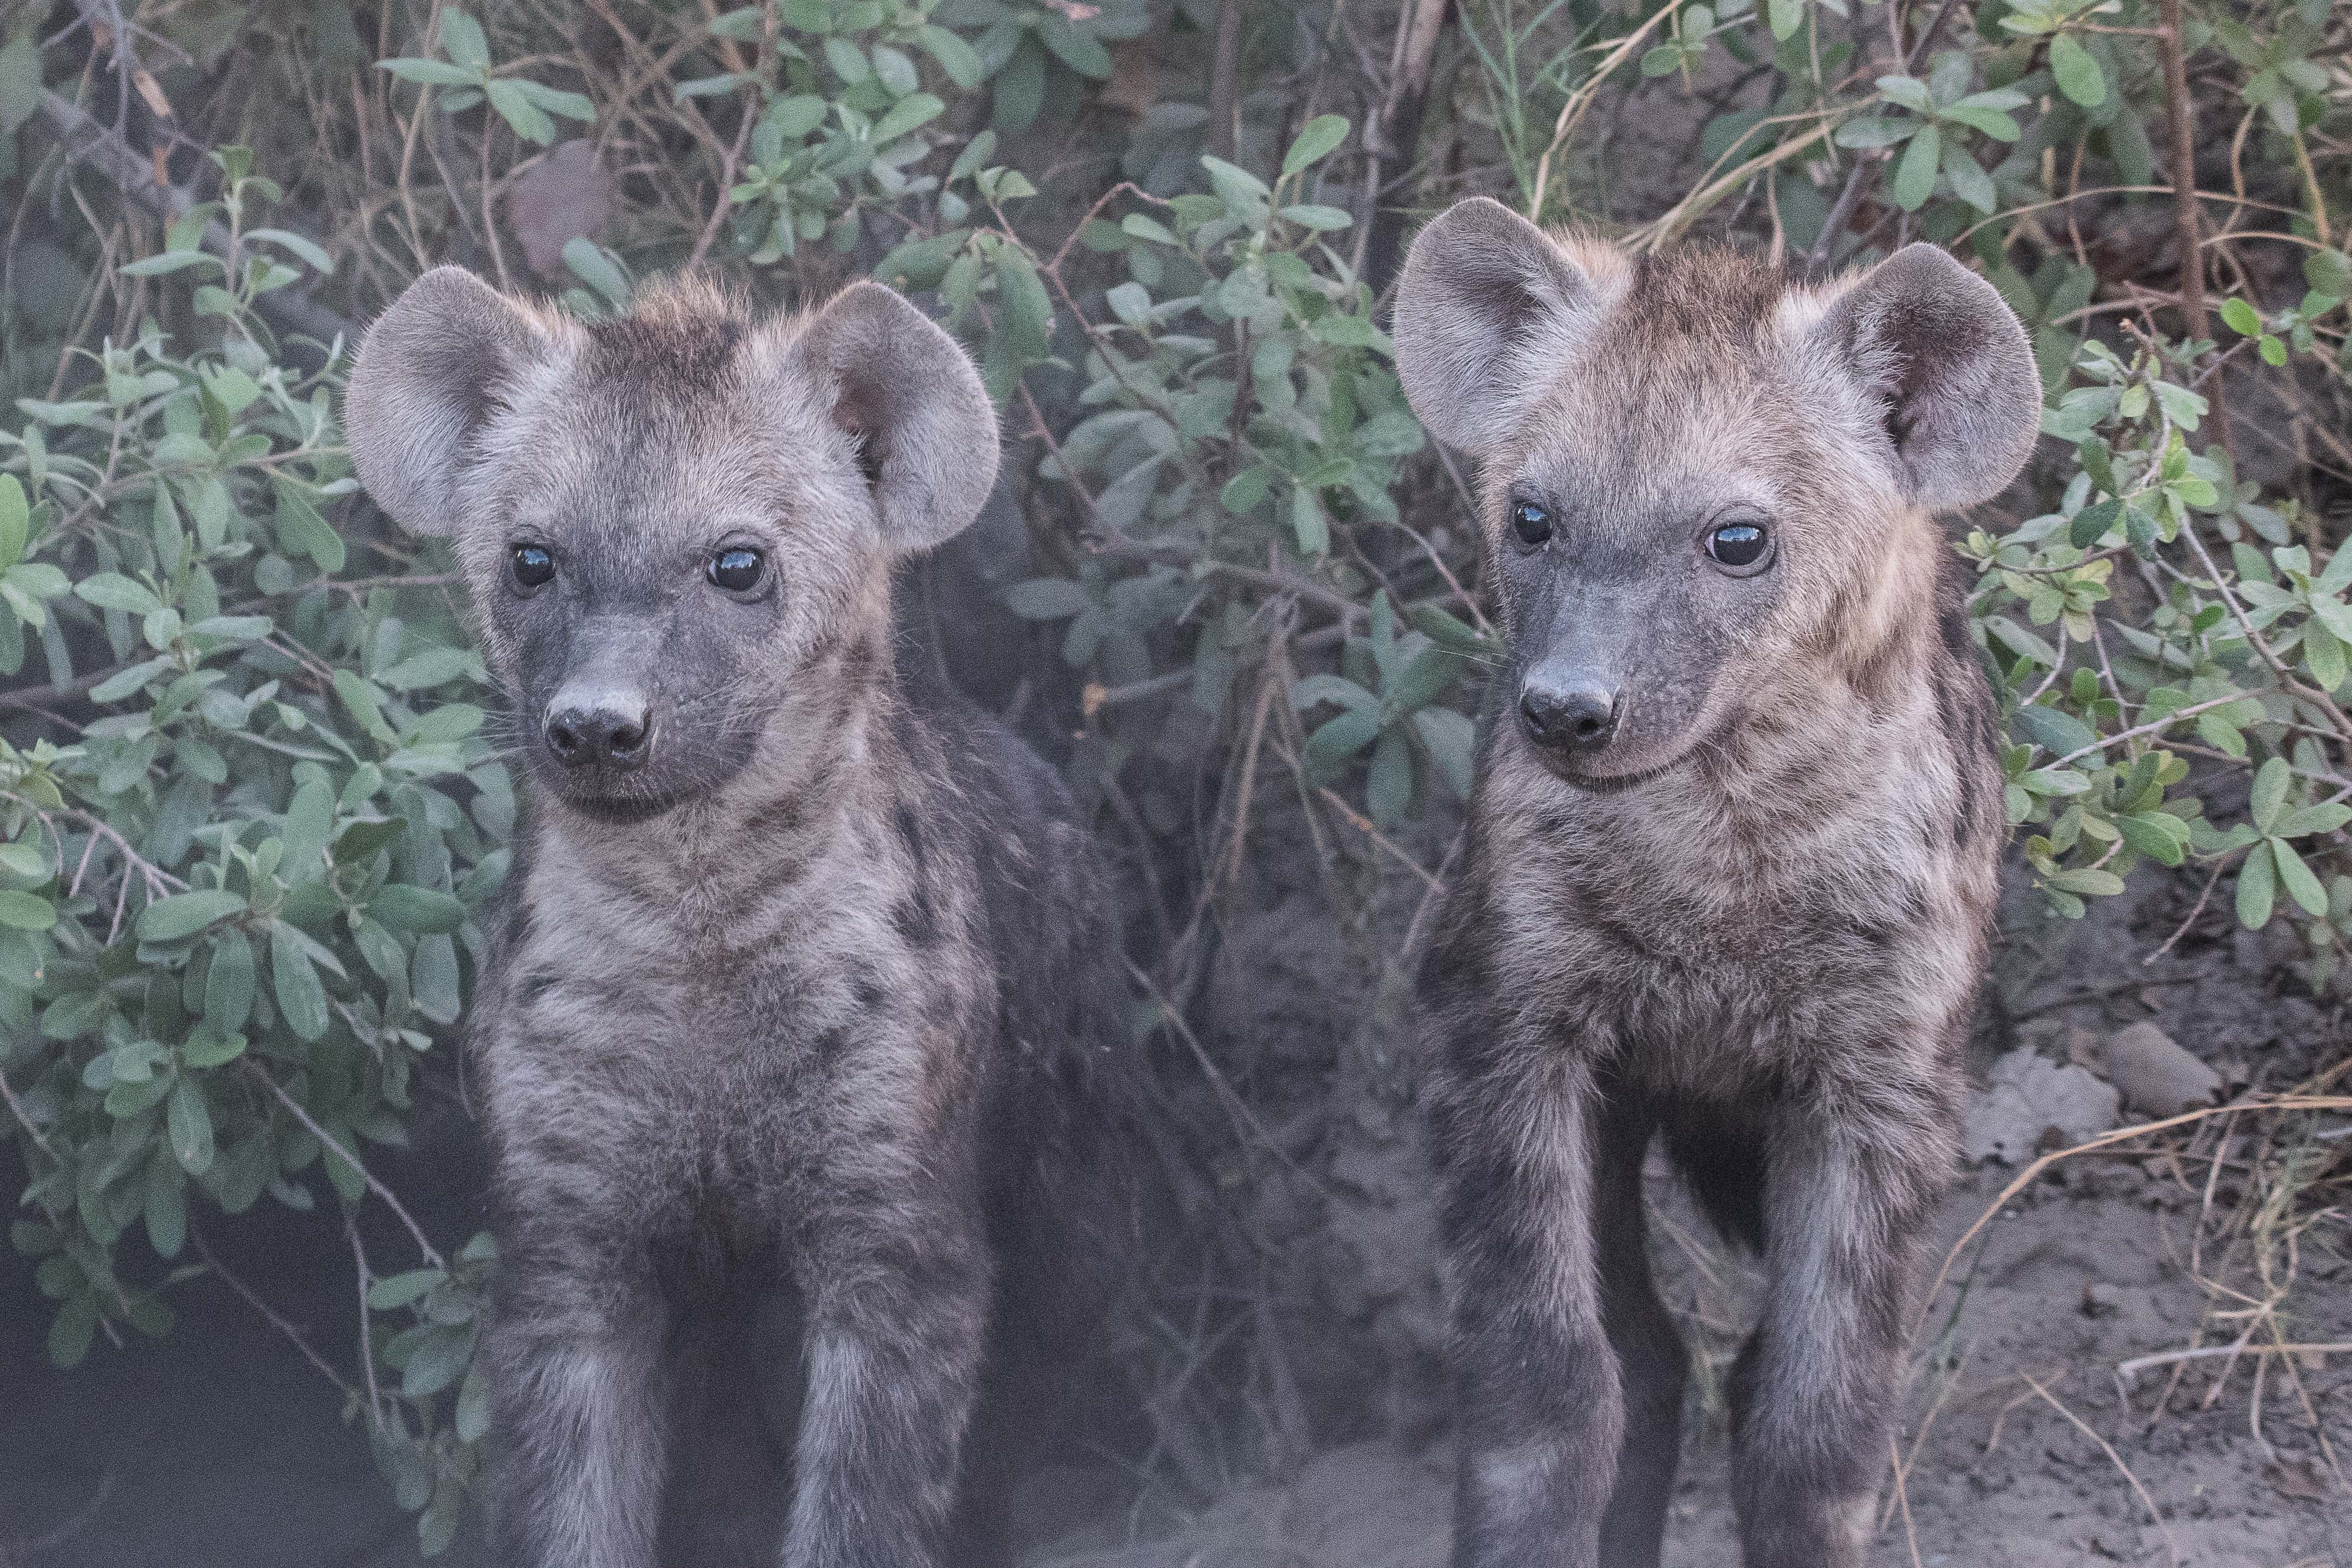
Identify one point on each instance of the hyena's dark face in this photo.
(674, 524)
(1692, 469)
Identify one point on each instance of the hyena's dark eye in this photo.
(1738, 544)
(737, 571)
(1531, 522)
(531, 565)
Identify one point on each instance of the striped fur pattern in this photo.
(824, 999)
(1752, 920)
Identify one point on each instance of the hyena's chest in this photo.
(1701, 963)
(702, 1062)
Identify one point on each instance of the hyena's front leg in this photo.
(1651, 1359)
(899, 1289)
(1815, 1389)
(1539, 1408)
(572, 1355)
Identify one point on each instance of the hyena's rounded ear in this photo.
(906, 393)
(1945, 353)
(430, 373)
(1488, 307)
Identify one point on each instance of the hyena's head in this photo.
(1703, 487)
(673, 523)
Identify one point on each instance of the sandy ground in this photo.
(2074, 1280)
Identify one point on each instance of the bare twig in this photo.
(2186, 219)
(424, 1244)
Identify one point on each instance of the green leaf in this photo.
(2329, 272)
(1874, 130)
(23, 860)
(438, 1361)
(303, 531)
(915, 109)
(112, 591)
(462, 39)
(1021, 85)
(1785, 18)
(594, 264)
(2152, 840)
(796, 115)
(1073, 49)
(190, 1122)
(2090, 524)
(2257, 887)
(1325, 687)
(1149, 228)
(207, 1048)
(1028, 312)
(1337, 738)
(169, 262)
(1915, 177)
(185, 914)
(1969, 181)
(2086, 883)
(302, 999)
(26, 911)
(1047, 599)
(472, 1417)
(403, 906)
(1452, 741)
(20, 79)
(167, 1207)
(70, 1330)
(1388, 790)
(959, 60)
(2240, 317)
(2272, 781)
(395, 1291)
(2305, 821)
(2296, 878)
(555, 100)
(517, 109)
(1908, 90)
(2079, 76)
(2062, 735)
(1307, 525)
(312, 254)
(1322, 219)
(15, 521)
(1314, 142)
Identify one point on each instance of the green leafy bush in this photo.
(238, 905)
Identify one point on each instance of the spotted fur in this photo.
(1752, 922)
(823, 1001)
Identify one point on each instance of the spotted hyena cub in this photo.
(1732, 852)
(808, 986)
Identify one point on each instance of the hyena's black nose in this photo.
(614, 734)
(1577, 713)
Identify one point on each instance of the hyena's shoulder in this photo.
(1047, 920)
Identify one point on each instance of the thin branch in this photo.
(378, 1188)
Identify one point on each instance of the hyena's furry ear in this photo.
(1946, 354)
(430, 372)
(906, 392)
(1488, 308)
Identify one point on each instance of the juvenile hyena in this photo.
(1731, 855)
(808, 983)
